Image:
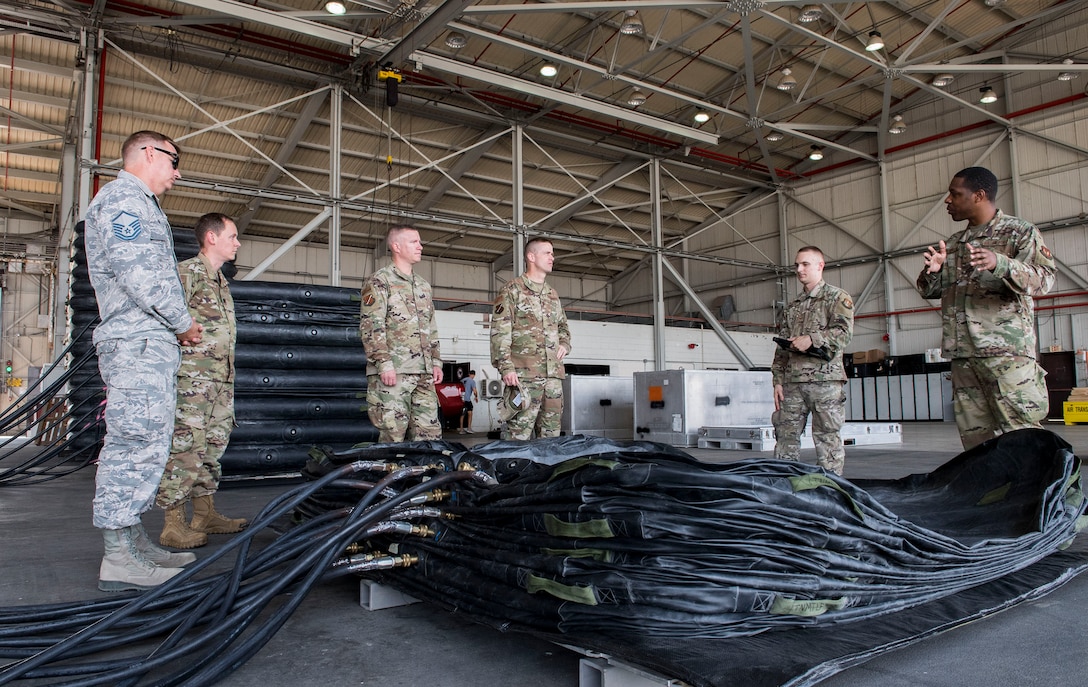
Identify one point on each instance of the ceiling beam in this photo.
(424, 32)
(286, 22)
(486, 76)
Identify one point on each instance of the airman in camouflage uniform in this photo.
(205, 410)
(987, 276)
(403, 360)
(821, 317)
(130, 257)
(529, 339)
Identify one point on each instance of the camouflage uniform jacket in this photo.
(826, 314)
(397, 324)
(527, 327)
(984, 313)
(207, 292)
(130, 259)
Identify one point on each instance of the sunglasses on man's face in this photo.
(174, 157)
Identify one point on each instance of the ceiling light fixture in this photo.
(636, 98)
(336, 7)
(817, 153)
(898, 126)
(456, 40)
(788, 82)
(988, 96)
(810, 13)
(548, 69)
(1067, 76)
(702, 116)
(942, 80)
(774, 136)
(875, 42)
(632, 23)
(996, 3)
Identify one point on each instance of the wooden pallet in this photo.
(50, 426)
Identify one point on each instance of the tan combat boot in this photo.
(207, 520)
(124, 568)
(160, 557)
(177, 534)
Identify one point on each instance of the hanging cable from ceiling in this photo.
(391, 77)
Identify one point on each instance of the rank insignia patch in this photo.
(126, 226)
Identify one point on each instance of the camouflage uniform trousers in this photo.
(827, 402)
(408, 410)
(141, 393)
(543, 417)
(997, 394)
(202, 426)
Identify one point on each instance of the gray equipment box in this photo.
(598, 405)
(671, 406)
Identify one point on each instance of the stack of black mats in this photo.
(300, 369)
(759, 572)
(301, 375)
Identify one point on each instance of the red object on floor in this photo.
(450, 403)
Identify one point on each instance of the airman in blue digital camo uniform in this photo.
(130, 256)
(529, 339)
(403, 359)
(821, 317)
(987, 277)
(205, 412)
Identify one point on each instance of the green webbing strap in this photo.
(814, 480)
(593, 529)
(599, 555)
(1080, 523)
(995, 495)
(1078, 526)
(575, 464)
(575, 593)
(1075, 477)
(1072, 485)
(1074, 498)
(805, 607)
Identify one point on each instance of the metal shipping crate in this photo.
(599, 405)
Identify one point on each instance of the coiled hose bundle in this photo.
(629, 548)
(196, 628)
(624, 538)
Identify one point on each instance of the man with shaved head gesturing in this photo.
(987, 276)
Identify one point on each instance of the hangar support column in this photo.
(658, 264)
(517, 200)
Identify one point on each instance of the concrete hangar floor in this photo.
(49, 552)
